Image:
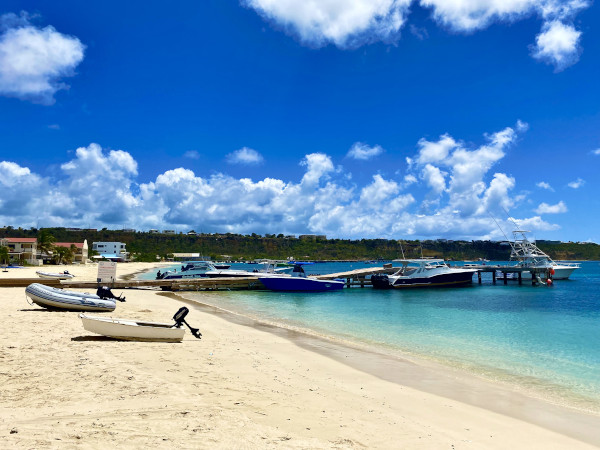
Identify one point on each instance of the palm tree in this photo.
(62, 254)
(45, 243)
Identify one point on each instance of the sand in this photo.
(243, 385)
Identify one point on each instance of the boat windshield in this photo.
(298, 271)
(410, 266)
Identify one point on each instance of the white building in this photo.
(111, 250)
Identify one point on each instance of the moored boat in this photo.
(206, 269)
(54, 298)
(299, 282)
(201, 269)
(529, 255)
(418, 273)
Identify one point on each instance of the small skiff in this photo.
(132, 330)
(55, 276)
(54, 298)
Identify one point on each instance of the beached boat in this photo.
(299, 282)
(528, 255)
(55, 276)
(418, 273)
(129, 329)
(137, 330)
(54, 298)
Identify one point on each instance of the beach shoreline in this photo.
(428, 376)
(245, 384)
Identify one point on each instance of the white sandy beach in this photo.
(240, 386)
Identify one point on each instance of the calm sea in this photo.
(543, 339)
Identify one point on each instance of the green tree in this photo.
(45, 242)
(3, 255)
(63, 254)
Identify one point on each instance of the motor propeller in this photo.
(179, 319)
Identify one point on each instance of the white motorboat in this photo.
(201, 269)
(55, 276)
(528, 255)
(54, 298)
(206, 269)
(137, 330)
(423, 273)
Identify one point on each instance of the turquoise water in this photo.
(543, 339)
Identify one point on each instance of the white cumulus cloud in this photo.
(341, 22)
(558, 44)
(363, 152)
(34, 61)
(450, 196)
(245, 155)
(545, 208)
(348, 24)
(596, 152)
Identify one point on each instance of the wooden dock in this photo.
(358, 277)
(24, 282)
(353, 278)
(541, 273)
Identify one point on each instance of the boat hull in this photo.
(560, 273)
(297, 284)
(132, 330)
(455, 279)
(59, 299)
(54, 276)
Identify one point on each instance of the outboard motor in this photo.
(105, 293)
(380, 281)
(179, 319)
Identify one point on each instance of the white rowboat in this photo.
(132, 330)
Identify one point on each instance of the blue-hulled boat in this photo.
(299, 282)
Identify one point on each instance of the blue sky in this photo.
(396, 119)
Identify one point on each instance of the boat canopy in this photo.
(421, 261)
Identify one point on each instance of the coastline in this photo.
(245, 382)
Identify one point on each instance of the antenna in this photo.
(402, 250)
(510, 218)
(498, 225)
